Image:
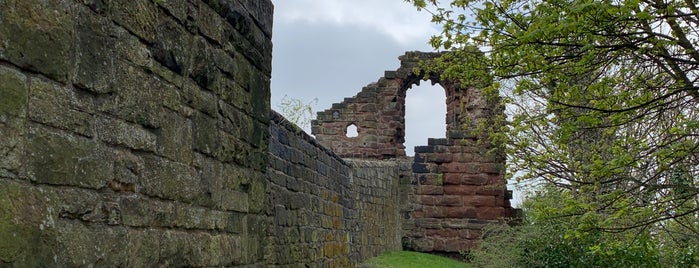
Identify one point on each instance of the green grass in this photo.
(407, 259)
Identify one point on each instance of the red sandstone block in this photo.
(454, 167)
(451, 178)
(496, 179)
(440, 158)
(447, 233)
(495, 190)
(492, 168)
(387, 151)
(475, 179)
(469, 234)
(461, 212)
(450, 200)
(502, 202)
(460, 189)
(457, 148)
(439, 244)
(369, 107)
(429, 179)
(434, 212)
(491, 213)
(429, 200)
(425, 244)
(480, 201)
(457, 245)
(430, 190)
(418, 214)
(463, 157)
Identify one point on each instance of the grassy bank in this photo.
(407, 259)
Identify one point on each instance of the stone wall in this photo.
(453, 186)
(327, 211)
(134, 133)
(138, 134)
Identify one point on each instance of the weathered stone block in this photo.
(206, 136)
(173, 47)
(144, 246)
(79, 244)
(491, 213)
(430, 190)
(186, 12)
(63, 159)
(131, 135)
(202, 66)
(13, 109)
(233, 200)
(257, 192)
(210, 24)
(201, 100)
(94, 60)
(130, 48)
(170, 180)
(140, 17)
(461, 212)
(461, 189)
(60, 107)
(479, 201)
(139, 97)
(38, 35)
(24, 214)
(175, 138)
(233, 93)
(14, 92)
(141, 212)
(82, 205)
(261, 12)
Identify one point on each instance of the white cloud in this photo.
(395, 18)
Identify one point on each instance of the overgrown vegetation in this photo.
(602, 98)
(550, 238)
(407, 259)
(296, 111)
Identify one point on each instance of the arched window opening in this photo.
(352, 131)
(425, 115)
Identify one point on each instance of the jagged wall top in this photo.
(378, 112)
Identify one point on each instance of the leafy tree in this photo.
(545, 239)
(603, 99)
(296, 111)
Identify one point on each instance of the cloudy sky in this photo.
(330, 49)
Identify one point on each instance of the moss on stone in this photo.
(38, 36)
(13, 89)
(27, 234)
(67, 160)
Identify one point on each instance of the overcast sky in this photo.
(330, 49)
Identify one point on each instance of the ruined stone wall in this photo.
(137, 134)
(452, 187)
(377, 205)
(134, 133)
(327, 211)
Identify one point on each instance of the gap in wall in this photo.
(425, 115)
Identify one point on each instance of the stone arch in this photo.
(379, 110)
(451, 182)
(425, 114)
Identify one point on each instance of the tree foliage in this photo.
(296, 111)
(545, 239)
(602, 98)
